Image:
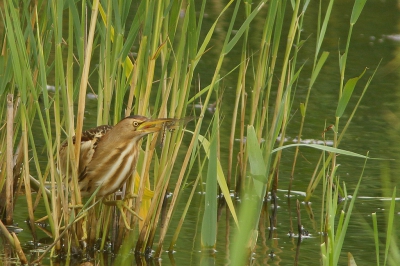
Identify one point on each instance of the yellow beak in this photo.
(154, 125)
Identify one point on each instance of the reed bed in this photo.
(142, 58)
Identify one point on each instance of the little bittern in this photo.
(108, 155)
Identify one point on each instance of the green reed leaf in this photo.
(242, 29)
(322, 147)
(220, 177)
(357, 9)
(209, 225)
(347, 92)
(321, 62)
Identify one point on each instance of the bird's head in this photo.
(140, 125)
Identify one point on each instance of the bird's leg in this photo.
(121, 205)
(77, 206)
(129, 196)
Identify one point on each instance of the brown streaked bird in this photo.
(108, 154)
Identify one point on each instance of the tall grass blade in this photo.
(246, 236)
(256, 159)
(347, 92)
(209, 225)
(323, 148)
(220, 177)
(322, 31)
(376, 237)
(10, 149)
(317, 69)
(208, 36)
(357, 9)
(390, 222)
(84, 80)
(339, 239)
(244, 27)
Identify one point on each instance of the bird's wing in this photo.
(89, 141)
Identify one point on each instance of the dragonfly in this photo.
(170, 125)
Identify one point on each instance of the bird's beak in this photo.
(154, 125)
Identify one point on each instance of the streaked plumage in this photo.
(108, 155)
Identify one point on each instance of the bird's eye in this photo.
(135, 124)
